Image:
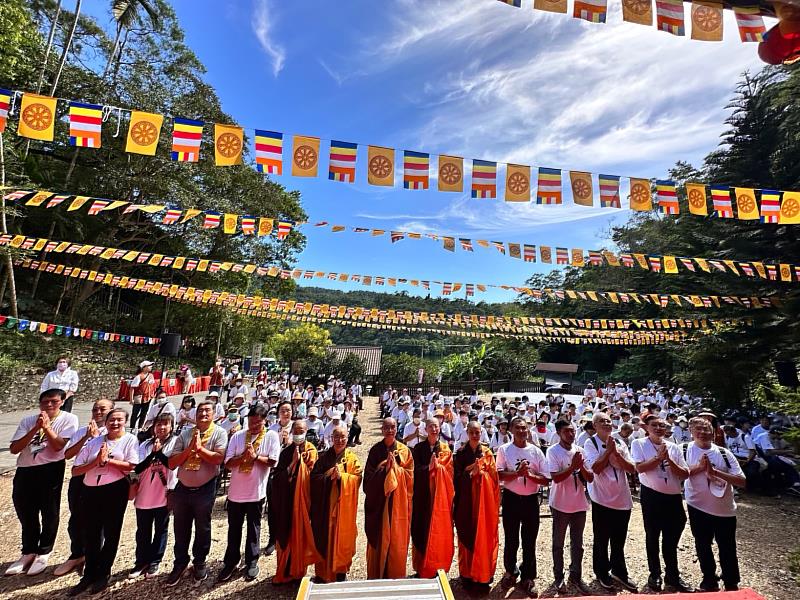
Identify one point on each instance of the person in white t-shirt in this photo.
(250, 456)
(414, 432)
(155, 480)
(661, 469)
(522, 467)
(567, 499)
(713, 473)
(64, 378)
(610, 461)
(105, 462)
(39, 444)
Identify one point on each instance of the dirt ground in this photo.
(768, 532)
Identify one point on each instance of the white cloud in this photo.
(262, 22)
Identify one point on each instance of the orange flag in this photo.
(451, 173)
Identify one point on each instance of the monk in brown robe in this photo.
(432, 517)
(291, 497)
(334, 503)
(476, 509)
(389, 487)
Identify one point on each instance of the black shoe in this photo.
(200, 572)
(654, 583)
(606, 582)
(560, 586)
(99, 586)
(175, 576)
(508, 581)
(581, 586)
(734, 587)
(251, 573)
(711, 585)
(680, 585)
(626, 582)
(270, 549)
(83, 585)
(226, 573)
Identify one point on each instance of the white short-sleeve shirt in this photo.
(568, 495)
(609, 487)
(39, 451)
(714, 497)
(510, 455)
(125, 448)
(661, 479)
(252, 486)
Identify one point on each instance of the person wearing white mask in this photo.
(161, 405)
(414, 432)
(713, 473)
(327, 433)
(63, 378)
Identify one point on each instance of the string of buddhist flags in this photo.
(706, 16)
(191, 264)
(29, 325)
(508, 324)
(38, 119)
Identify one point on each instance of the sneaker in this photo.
(625, 582)
(175, 576)
(560, 586)
(793, 491)
(734, 587)
(39, 564)
(83, 585)
(69, 565)
(605, 582)
(137, 571)
(581, 586)
(270, 548)
(711, 585)
(251, 573)
(529, 587)
(200, 572)
(680, 585)
(152, 571)
(654, 583)
(99, 586)
(21, 565)
(226, 573)
(508, 581)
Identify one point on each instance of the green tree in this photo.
(305, 342)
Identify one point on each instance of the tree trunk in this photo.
(50, 37)
(61, 299)
(42, 256)
(113, 52)
(12, 286)
(67, 45)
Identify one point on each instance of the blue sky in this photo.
(472, 78)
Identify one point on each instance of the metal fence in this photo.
(454, 388)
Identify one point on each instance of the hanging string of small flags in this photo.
(508, 324)
(448, 288)
(9, 323)
(706, 16)
(38, 119)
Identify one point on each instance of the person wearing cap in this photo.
(680, 431)
(327, 433)
(230, 379)
(238, 402)
(250, 456)
(216, 377)
(350, 418)
(299, 405)
(232, 421)
(141, 390)
(315, 425)
(610, 461)
(238, 387)
(500, 436)
(63, 378)
(661, 469)
(713, 473)
(259, 394)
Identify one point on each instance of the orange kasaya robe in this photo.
(387, 510)
(477, 513)
(432, 517)
(291, 499)
(334, 505)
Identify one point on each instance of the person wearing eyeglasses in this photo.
(713, 473)
(661, 469)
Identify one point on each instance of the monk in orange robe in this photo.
(291, 498)
(334, 503)
(476, 509)
(389, 487)
(432, 517)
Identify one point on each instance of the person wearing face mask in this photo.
(501, 436)
(105, 461)
(250, 456)
(155, 480)
(335, 480)
(291, 498)
(77, 508)
(414, 431)
(233, 420)
(39, 442)
(681, 432)
(63, 378)
(142, 390)
(431, 521)
(158, 407)
(216, 377)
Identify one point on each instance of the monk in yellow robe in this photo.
(476, 509)
(334, 503)
(432, 517)
(291, 498)
(389, 487)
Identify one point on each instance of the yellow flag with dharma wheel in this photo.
(559, 6)
(228, 144)
(582, 192)
(638, 11)
(790, 208)
(577, 257)
(264, 226)
(641, 197)
(696, 197)
(229, 223)
(37, 117)
(380, 166)
(518, 183)
(451, 173)
(143, 132)
(305, 156)
(746, 205)
(670, 264)
(707, 21)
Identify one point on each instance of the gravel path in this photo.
(767, 533)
